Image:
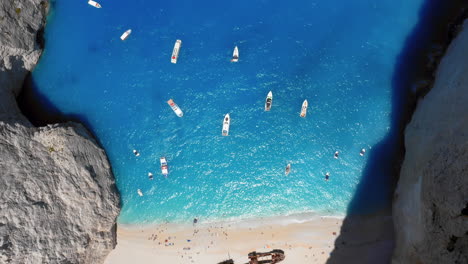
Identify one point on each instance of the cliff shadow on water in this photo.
(40, 111)
(367, 232)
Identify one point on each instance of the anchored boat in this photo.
(126, 34)
(288, 169)
(175, 51)
(235, 55)
(304, 108)
(226, 124)
(175, 108)
(140, 192)
(94, 3)
(164, 169)
(269, 101)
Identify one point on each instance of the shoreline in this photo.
(309, 239)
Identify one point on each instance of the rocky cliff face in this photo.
(431, 201)
(58, 200)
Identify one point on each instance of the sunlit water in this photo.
(339, 55)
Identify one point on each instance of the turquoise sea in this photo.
(339, 55)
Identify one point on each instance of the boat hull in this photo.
(235, 55)
(305, 104)
(226, 125)
(126, 34)
(269, 101)
(175, 51)
(175, 108)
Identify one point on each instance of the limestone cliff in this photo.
(431, 200)
(58, 200)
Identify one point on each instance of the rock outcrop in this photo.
(58, 200)
(431, 201)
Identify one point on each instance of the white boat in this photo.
(136, 153)
(126, 34)
(226, 124)
(150, 175)
(235, 55)
(363, 151)
(269, 101)
(288, 169)
(175, 108)
(175, 51)
(94, 3)
(336, 154)
(327, 176)
(164, 169)
(140, 192)
(304, 108)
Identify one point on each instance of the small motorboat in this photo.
(235, 55)
(226, 124)
(304, 108)
(94, 3)
(327, 176)
(175, 108)
(288, 169)
(164, 169)
(150, 175)
(140, 192)
(336, 154)
(175, 51)
(126, 34)
(363, 151)
(136, 153)
(269, 101)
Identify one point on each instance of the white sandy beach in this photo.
(303, 239)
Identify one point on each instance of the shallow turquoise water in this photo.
(339, 55)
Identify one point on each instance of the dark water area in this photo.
(412, 78)
(439, 22)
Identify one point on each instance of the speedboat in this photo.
(226, 124)
(288, 169)
(304, 108)
(235, 55)
(269, 101)
(363, 151)
(126, 34)
(175, 51)
(94, 3)
(136, 153)
(175, 108)
(140, 192)
(164, 169)
(336, 154)
(327, 176)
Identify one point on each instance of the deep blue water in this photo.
(339, 55)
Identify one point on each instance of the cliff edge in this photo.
(58, 199)
(431, 200)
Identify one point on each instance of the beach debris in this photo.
(336, 154)
(126, 34)
(175, 108)
(175, 51)
(136, 153)
(363, 151)
(327, 176)
(150, 175)
(140, 192)
(94, 3)
(274, 256)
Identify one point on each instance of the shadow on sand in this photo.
(367, 232)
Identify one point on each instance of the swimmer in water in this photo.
(336, 154)
(327, 176)
(363, 151)
(150, 175)
(136, 152)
